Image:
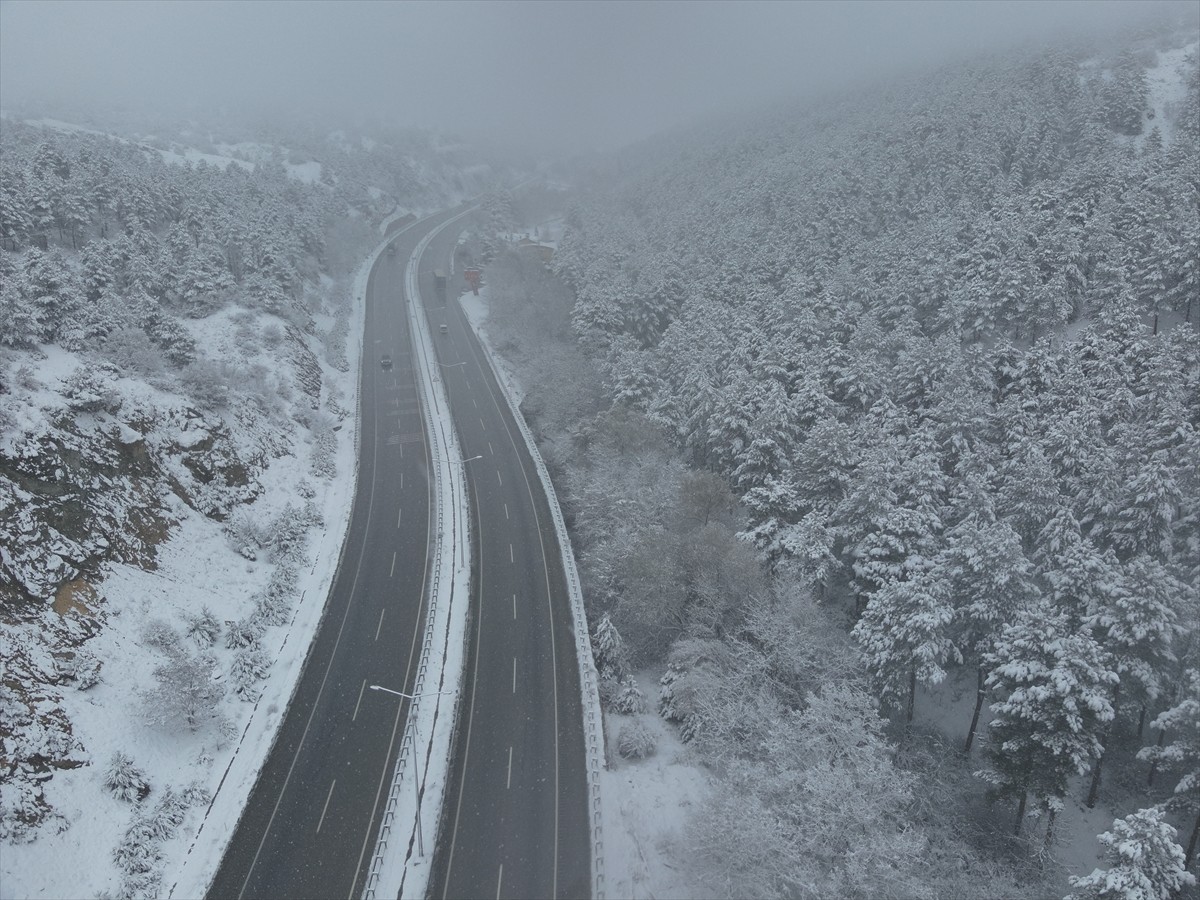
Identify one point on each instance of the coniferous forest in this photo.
(863, 404)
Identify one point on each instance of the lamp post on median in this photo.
(416, 788)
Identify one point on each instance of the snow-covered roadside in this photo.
(197, 868)
(647, 804)
(195, 567)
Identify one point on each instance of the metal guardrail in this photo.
(442, 449)
(593, 719)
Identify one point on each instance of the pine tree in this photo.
(1146, 862)
(1182, 754)
(1054, 683)
(905, 638)
(185, 694)
(1136, 624)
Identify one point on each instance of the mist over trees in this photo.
(938, 340)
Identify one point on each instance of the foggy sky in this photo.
(568, 76)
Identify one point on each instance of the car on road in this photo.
(391, 250)
(385, 362)
(444, 329)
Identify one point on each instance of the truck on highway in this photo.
(439, 284)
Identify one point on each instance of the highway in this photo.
(310, 826)
(516, 817)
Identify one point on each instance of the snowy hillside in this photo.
(179, 344)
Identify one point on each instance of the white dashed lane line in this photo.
(325, 808)
(360, 695)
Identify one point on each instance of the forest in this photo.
(895, 391)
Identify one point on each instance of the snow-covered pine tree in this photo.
(1136, 624)
(905, 637)
(1054, 683)
(1146, 862)
(1182, 754)
(185, 692)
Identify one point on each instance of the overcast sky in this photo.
(563, 76)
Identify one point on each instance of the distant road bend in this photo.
(309, 828)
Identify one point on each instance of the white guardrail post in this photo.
(593, 723)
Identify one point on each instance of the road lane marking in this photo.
(401, 446)
(399, 512)
(482, 424)
(401, 481)
(475, 404)
(514, 674)
(499, 881)
(510, 554)
(506, 515)
(324, 808)
(490, 450)
(500, 477)
(392, 573)
(508, 781)
(360, 693)
(379, 627)
(514, 607)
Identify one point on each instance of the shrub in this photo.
(244, 633)
(133, 351)
(630, 700)
(160, 635)
(124, 780)
(83, 668)
(207, 384)
(635, 741)
(203, 628)
(249, 667)
(91, 390)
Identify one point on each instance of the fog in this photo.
(569, 76)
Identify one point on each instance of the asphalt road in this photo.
(516, 816)
(309, 828)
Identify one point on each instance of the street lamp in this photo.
(416, 788)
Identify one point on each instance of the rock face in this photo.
(92, 489)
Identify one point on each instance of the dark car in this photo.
(385, 362)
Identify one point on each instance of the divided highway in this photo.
(516, 817)
(309, 828)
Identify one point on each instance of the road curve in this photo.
(310, 825)
(516, 816)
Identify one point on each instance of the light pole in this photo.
(416, 788)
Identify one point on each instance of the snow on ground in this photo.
(191, 155)
(646, 805)
(1168, 89)
(308, 172)
(196, 567)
